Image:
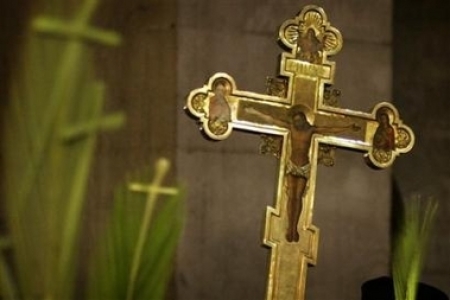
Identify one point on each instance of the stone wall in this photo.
(421, 78)
(140, 77)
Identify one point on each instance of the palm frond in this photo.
(53, 90)
(7, 285)
(134, 257)
(410, 246)
(53, 118)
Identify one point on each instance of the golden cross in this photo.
(302, 120)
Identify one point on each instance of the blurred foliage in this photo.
(50, 128)
(410, 246)
(134, 260)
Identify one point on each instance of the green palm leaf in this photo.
(53, 90)
(135, 256)
(410, 247)
(52, 120)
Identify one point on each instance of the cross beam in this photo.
(298, 113)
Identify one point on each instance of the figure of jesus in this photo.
(298, 165)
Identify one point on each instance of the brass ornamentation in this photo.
(271, 144)
(299, 116)
(331, 96)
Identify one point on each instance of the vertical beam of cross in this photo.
(303, 121)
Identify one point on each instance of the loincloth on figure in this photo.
(298, 171)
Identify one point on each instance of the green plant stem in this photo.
(9, 288)
(162, 167)
(76, 200)
(64, 85)
(411, 246)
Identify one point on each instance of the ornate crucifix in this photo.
(302, 125)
